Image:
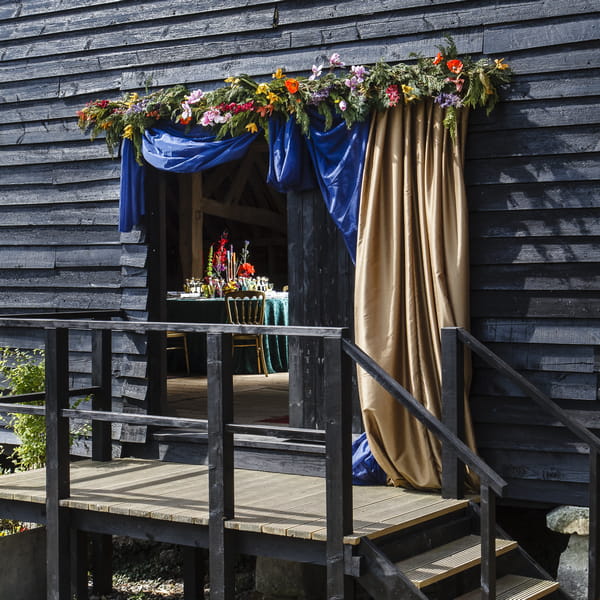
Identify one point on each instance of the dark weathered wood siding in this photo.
(532, 173)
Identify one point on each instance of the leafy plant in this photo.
(24, 373)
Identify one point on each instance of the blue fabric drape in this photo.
(131, 206)
(171, 148)
(337, 156)
(290, 165)
(332, 159)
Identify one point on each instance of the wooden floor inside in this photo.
(256, 398)
(270, 503)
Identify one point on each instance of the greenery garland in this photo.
(245, 105)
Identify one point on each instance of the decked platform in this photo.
(270, 503)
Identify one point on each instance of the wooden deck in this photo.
(271, 503)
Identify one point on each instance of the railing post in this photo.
(594, 557)
(220, 464)
(57, 465)
(338, 439)
(102, 400)
(453, 411)
(488, 543)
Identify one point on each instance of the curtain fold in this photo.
(412, 271)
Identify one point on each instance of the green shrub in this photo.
(24, 373)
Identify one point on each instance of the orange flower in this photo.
(263, 111)
(291, 85)
(438, 59)
(455, 65)
(185, 120)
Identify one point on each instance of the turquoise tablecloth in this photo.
(203, 310)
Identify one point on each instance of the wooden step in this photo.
(516, 587)
(447, 560)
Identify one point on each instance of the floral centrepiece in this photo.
(227, 271)
(245, 105)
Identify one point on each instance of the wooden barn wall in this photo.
(532, 174)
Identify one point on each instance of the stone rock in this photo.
(573, 567)
(569, 519)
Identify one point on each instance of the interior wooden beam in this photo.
(246, 214)
(190, 225)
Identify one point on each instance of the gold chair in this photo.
(179, 335)
(248, 308)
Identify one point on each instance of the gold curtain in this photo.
(412, 269)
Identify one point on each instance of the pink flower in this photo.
(458, 82)
(393, 95)
(334, 60)
(343, 106)
(316, 72)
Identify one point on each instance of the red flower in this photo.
(291, 85)
(438, 59)
(455, 65)
(245, 270)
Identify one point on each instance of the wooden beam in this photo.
(191, 219)
(246, 214)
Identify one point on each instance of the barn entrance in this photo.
(198, 209)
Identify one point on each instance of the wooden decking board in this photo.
(517, 587)
(273, 503)
(397, 523)
(444, 561)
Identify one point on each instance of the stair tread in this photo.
(444, 561)
(517, 587)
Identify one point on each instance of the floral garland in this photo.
(331, 89)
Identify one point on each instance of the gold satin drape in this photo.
(412, 269)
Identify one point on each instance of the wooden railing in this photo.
(454, 340)
(454, 454)
(339, 352)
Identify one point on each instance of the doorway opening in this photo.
(199, 207)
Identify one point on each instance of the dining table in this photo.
(191, 308)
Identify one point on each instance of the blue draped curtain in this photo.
(332, 160)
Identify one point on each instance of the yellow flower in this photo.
(252, 127)
(262, 88)
(278, 74)
(128, 132)
(408, 96)
(234, 80)
(133, 98)
(273, 98)
(500, 65)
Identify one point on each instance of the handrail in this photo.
(492, 359)
(577, 428)
(146, 326)
(486, 473)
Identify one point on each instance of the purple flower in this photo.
(334, 60)
(359, 73)
(319, 96)
(316, 72)
(138, 107)
(447, 100)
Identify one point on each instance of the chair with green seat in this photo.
(248, 308)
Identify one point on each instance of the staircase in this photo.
(439, 559)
